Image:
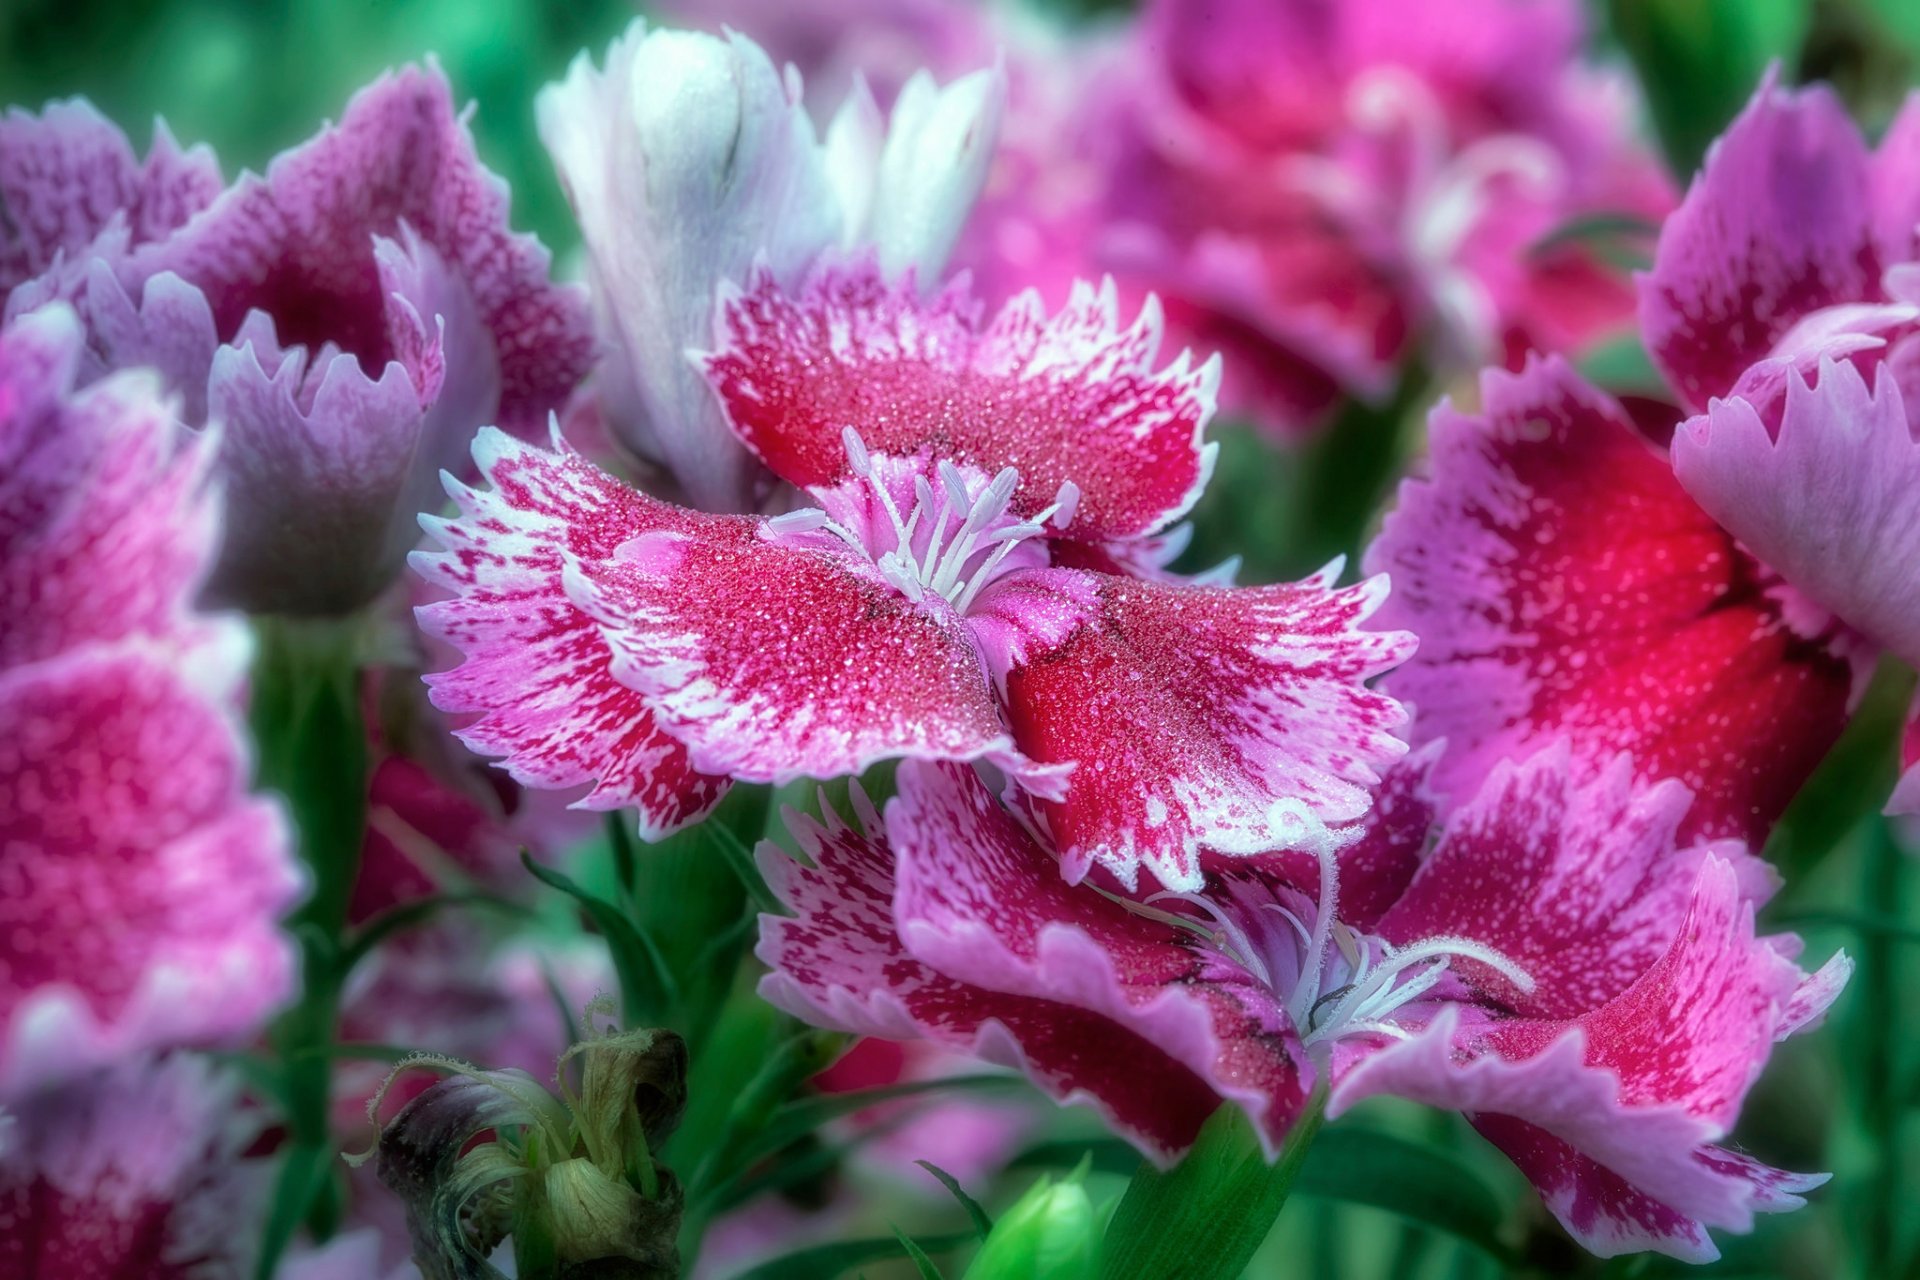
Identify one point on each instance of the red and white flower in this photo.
(954, 593)
(1588, 988)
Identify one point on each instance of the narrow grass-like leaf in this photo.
(829, 1261)
(648, 992)
(982, 1224)
(921, 1262)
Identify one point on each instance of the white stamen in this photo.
(857, 458)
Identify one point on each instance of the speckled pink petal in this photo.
(1072, 397)
(69, 180)
(1235, 720)
(537, 670)
(143, 882)
(134, 1172)
(979, 901)
(1640, 1087)
(299, 245)
(125, 554)
(1777, 226)
(773, 663)
(1830, 499)
(1581, 884)
(1562, 583)
(838, 961)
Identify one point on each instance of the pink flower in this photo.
(133, 1171)
(1560, 967)
(957, 592)
(1785, 306)
(142, 881)
(690, 160)
(1564, 585)
(1324, 186)
(350, 319)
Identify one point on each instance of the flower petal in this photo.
(1072, 397)
(1590, 886)
(773, 662)
(299, 244)
(1200, 717)
(979, 901)
(106, 519)
(683, 159)
(1562, 583)
(144, 883)
(1640, 1086)
(537, 671)
(71, 184)
(1826, 500)
(1777, 226)
(839, 962)
(135, 1171)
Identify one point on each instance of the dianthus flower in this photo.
(140, 883)
(1323, 188)
(976, 578)
(1587, 989)
(1712, 607)
(349, 319)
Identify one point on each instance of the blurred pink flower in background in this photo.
(143, 884)
(350, 319)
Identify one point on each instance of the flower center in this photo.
(943, 530)
(1333, 981)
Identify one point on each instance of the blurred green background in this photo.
(253, 76)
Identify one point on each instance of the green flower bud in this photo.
(1050, 1233)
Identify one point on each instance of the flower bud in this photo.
(1050, 1233)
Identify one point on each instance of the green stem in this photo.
(1205, 1218)
(1880, 1105)
(312, 744)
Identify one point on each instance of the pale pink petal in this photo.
(1235, 720)
(537, 669)
(839, 962)
(1894, 187)
(772, 662)
(299, 245)
(978, 901)
(1777, 226)
(106, 520)
(1563, 584)
(1581, 884)
(1640, 1087)
(1072, 397)
(68, 178)
(1827, 499)
(138, 1171)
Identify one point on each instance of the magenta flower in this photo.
(135, 1171)
(1785, 307)
(1564, 585)
(349, 320)
(1590, 991)
(141, 881)
(1320, 188)
(956, 592)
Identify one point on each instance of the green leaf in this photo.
(981, 1222)
(1204, 1218)
(1850, 785)
(921, 1262)
(648, 992)
(807, 1115)
(408, 915)
(1414, 1181)
(827, 1261)
(1699, 60)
